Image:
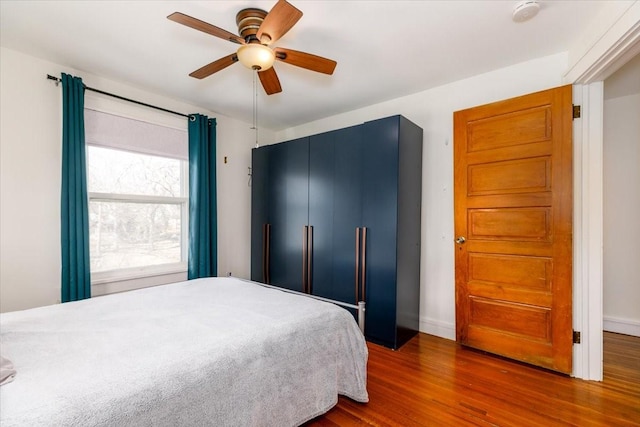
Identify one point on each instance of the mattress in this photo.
(216, 351)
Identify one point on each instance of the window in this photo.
(138, 197)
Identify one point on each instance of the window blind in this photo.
(122, 133)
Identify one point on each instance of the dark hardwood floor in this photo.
(435, 382)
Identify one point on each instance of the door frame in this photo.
(618, 45)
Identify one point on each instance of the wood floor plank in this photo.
(432, 381)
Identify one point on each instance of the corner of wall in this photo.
(607, 45)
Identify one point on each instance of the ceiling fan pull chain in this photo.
(255, 105)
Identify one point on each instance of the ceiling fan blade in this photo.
(199, 25)
(270, 81)
(278, 21)
(306, 60)
(215, 66)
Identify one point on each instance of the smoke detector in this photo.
(525, 10)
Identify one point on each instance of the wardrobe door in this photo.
(288, 195)
(408, 231)
(335, 211)
(347, 214)
(380, 217)
(259, 212)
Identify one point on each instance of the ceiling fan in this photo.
(257, 30)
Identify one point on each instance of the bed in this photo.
(217, 351)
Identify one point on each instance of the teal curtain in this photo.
(76, 278)
(203, 224)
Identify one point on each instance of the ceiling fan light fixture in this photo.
(256, 56)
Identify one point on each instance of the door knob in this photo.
(460, 240)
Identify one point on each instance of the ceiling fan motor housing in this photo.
(249, 21)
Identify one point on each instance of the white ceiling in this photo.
(384, 49)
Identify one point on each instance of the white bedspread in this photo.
(207, 352)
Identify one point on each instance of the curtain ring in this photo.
(192, 118)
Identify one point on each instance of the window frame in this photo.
(149, 271)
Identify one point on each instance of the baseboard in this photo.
(621, 326)
(447, 330)
(438, 328)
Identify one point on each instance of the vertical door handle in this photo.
(309, 258)
(357, 272)
(264, 253)
(305, 246)
(363, 277)
(268, 251)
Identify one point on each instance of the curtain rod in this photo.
(57, 80)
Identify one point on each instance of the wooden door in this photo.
(513, 227)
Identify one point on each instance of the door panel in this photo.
(380, 217)
(526, 320)
(532, 124)
(348, 210)
(288, 195)
(321, 206)
(335, 210)
(259, 211)
(509, 224)
(513, 206)
(517, 272)
(525, 176)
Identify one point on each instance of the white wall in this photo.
(433, 111)
(621, 152)
(30, 176)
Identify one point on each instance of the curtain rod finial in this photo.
(55, 79)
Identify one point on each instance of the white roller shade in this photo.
(112, 131)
